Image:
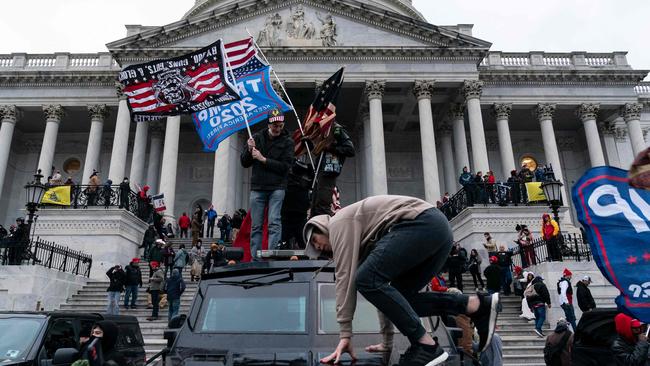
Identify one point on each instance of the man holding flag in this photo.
(270, 153)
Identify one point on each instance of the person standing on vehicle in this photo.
(174, 287)
(211, 213)
(184, 225)
(493, 276)
(538, 299)
(156, 283)
(565, 291)
(133, 282)
(475, 268)
(116, 277)
(583, 294)
(630, 346)
(388, 248)
(557, 351)
(270, 153)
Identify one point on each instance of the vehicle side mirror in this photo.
(177, 321)
(65, 356)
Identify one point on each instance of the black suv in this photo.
(32, 338)
(277, 313)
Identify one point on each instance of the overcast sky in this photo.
(45, 26)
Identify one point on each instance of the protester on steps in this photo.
(211, 213)
(526, 311)
(392, 270)
(583, 294)
(174, 287)
(550, 233)
(181, 258)
(215, 258)
(630, 346)
(492, 274)
(197, 255)
(237, 219)
(133, 281)
(557, 351)
(196, 227)
(475, 269)
(538, 299)
(456, 266)
(156, 253)
(116, 277)
(505, 262)
(148, 241)
(224, 228)
(155, 285)
(490, 244)
(565, 292)
(184, 225)
(168, 254)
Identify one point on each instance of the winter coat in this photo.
(156, 280)
(181, 258)
(211, 214)
(553, 341)
(133, 275)
(456, 264)
(583, 295)
(169, 255)
(196, 225)
(197, 254)
(175, 286)
(550, 229)
(215, 258)
(93, 183)
(155, 254)
(438, 284)
(109, 340)
(278, 152)
(224, 222)
(474, 263)
(184, 222)
(236, 220)
(505, 258)
(626, 349)
(542, 297)
(116, 276)
(340, 148)
(493, 275)
(465, 178)
(149, 237)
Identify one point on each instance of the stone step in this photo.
(102, 296)
(535, 350)
(530, 340)
(140, 312)
(522, 358)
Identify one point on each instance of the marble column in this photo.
(451, 183)
(472, 89)
(139, 154)
(155, 149)
(8, 116)
(170, 164)
(225, 175)
(53, 115)
(423, 90)
(367, 158)
(502, 113)
(608, 132)
(379, 183)
(544, 113)
(457, 116)
(588, 113)
(98, 114)
(117, 167)
(631, 112)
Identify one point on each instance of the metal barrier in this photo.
(46, 254)
(571, 247)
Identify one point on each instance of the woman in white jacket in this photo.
(526, 313)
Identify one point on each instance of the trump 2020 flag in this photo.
(178, 85)
(616, 218)
(215, 124)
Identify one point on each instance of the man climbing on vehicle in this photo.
(388, 248)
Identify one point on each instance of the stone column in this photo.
(472, 89)
(153, 167)
(8, 117)
(53, 115)
(608, 131)
(631, 112)
(117, 166)
(379, 182)
(139, 154)
(422, 90)
(98, 114)
(544, 113)
(451, 183)
(170, 164)
(457, 116)
(225, 175)
(367, 158)
(588, 113)
(502, 113)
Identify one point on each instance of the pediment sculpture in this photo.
(298, 30)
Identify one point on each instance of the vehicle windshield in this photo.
(365, 316)
(16, 337)
(236, 309)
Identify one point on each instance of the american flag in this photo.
(175, 90)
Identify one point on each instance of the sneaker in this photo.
(152, 318)
(423, 355)
(133, 307)
(539, 333)
(485, 319)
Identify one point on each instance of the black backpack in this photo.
(553, 354)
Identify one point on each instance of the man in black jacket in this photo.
(116, 276)
(133, 280)
(270, 153)
(583, 294)
(630, 346)
(538, 299)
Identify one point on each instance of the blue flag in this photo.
(616, 218)
(217, 123)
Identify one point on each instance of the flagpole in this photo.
(295, 113)
(234, 80)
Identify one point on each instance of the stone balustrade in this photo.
(58, 61)
(643, 88)
(498, 59)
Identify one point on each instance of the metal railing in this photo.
(84, 196)
(564, 247)
(46, 254)
(486, 194)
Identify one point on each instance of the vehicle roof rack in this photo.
(281, 254)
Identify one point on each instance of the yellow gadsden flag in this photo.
(535, 192)
(59, 195)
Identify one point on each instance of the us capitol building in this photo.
(420, 100)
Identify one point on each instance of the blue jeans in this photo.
(174, 306)
(570, 315)
(402, 263)
(113, 303)
(131, 291)
(540, 316)
(258, 201)
(506, 280)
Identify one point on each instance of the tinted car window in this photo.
(129, 336)
(17, 337)
(230, 308)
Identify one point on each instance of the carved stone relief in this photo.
(298, 29)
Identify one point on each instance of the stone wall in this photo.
(23, 287)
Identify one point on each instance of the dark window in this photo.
(17, 337)
(61, 334)
(365, 316)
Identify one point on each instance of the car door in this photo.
(61, 333)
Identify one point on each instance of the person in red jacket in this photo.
(184, 224)
(438, 284)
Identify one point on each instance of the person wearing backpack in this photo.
(156, 284)
(565, 292)
(557, 351)
(181, 258)
(538, 299)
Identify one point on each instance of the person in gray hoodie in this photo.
(388, 248)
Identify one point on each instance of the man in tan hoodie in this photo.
(388, 248)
